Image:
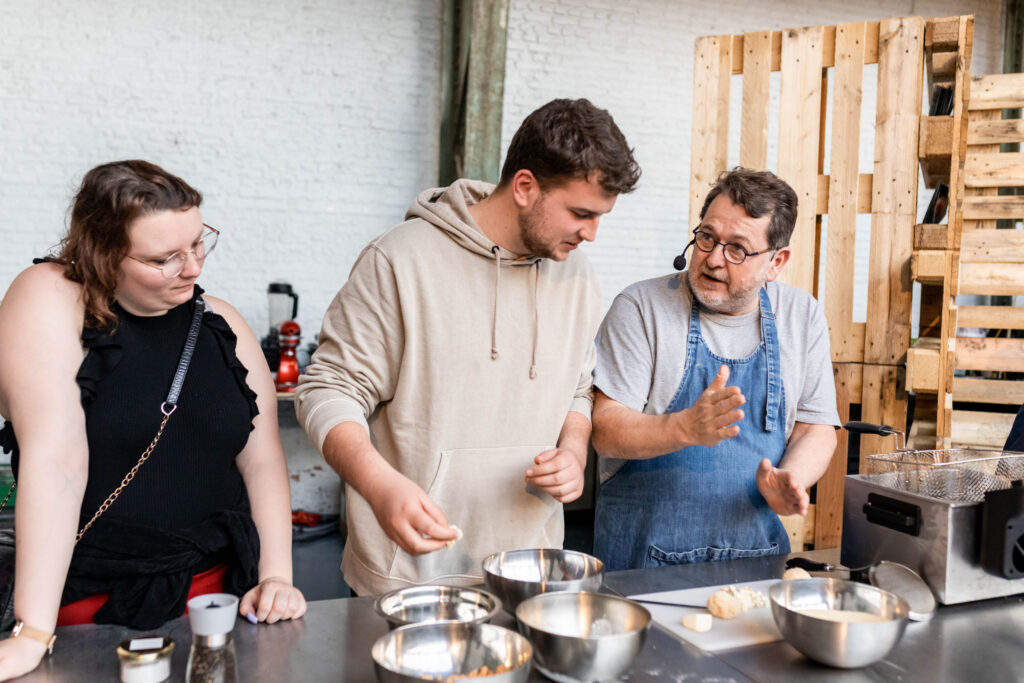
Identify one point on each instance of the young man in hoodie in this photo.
(452, 386)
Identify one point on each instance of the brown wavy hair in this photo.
(110, 198)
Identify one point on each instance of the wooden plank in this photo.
(962, 84)
(994, 170)
(995, 279)
(999, 354)
(976, 208)
(947, 349)
(799, 122)
(863, 193)
(978, 390)
(943, 63)
(828, 526)
(843, 189)
(894, 205)
(928, 266)
(942, 33)
(757, 57)
(999, 131)
(997, 91)
(936, 138)
(710, 138)
(827, 50)
(992, 317)
(994, 246)
(976, 428)
(883, 401)
(970, 192)
(931, 236)
(923, 366)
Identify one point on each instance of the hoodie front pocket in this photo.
(483, 491)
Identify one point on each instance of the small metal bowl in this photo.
(449, 650)
(583, 636)
(843, 644)
(419, 604)
(516, 575)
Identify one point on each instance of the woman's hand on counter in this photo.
(19, 656)
(273, 599)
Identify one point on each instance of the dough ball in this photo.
(699, 622)
(458, 536)
(723, 605)
(795, 573)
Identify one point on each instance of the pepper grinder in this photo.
(288, 366)
(212, 657)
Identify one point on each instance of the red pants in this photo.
(83, 611)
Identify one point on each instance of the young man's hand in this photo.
(557, 472)
(409, 517)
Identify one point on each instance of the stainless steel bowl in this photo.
(437, 603)
(838, 643)
(583, 636)
(516, 575)
(442, 650)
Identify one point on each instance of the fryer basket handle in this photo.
(870, 428)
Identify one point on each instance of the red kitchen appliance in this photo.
(288, 368)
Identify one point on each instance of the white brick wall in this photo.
(636, 60)
(309, 127)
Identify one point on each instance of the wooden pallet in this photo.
(970, 256)
(867, 357)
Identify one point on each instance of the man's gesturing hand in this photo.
(780, 488)
(711, 419)
(409, 517)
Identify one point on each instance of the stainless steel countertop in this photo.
(982, 641)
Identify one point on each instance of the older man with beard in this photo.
(715, 406)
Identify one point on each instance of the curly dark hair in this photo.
(572, 139)
(110, 198)
(759, 192)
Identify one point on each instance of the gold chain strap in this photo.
(127, 478)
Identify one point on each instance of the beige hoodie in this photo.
(463, 361)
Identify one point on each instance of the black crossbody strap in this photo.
(167, 407)
(186, 358)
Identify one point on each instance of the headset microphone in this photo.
(679, 263)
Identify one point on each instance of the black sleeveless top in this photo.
(187, 508)
(123, 380)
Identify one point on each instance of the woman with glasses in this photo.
(171, 495)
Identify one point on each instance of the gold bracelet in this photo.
(23, 629)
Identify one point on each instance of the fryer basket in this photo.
(960, 475)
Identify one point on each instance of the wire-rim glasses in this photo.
(734, 253)
(172, 266)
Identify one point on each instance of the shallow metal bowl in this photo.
(418, 604)
(838, 643)
(449, 650)
(516, 575)
(583, 636)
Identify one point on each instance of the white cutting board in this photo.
(751, 627)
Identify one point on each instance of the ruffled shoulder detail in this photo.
(102, 354)
(8, 442)
(227, 341)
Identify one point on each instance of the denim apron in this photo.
(701, 503)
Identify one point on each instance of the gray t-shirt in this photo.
(641, 349)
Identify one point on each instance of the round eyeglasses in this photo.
(734, 253)
(172, 266)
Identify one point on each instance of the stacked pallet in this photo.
(868, 358)
(970, 255)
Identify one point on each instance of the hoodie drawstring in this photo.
(497, 287)
(536, 313)
(536, 319)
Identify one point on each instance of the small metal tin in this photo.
(144, 662)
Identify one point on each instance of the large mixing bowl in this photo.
(814, 617)
(583, 636)
(417, 604)
(516, 575)
(449, 650)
